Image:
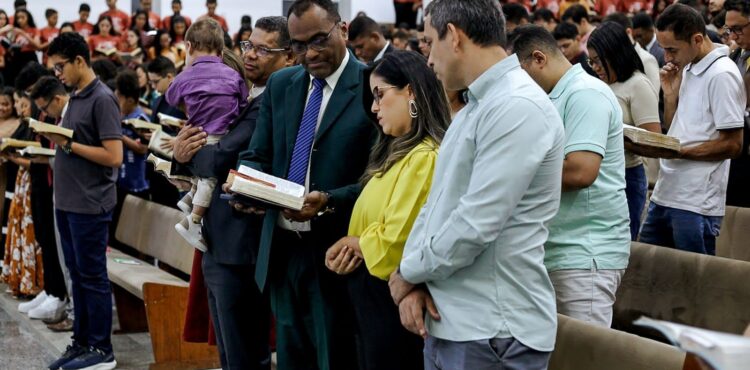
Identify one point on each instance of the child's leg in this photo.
(202, 197)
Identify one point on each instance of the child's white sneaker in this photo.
(191, 232)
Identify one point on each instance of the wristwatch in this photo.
(329, 208)
(67, 147)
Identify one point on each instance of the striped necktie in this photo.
(306, 135)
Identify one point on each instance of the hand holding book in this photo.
(314, 203)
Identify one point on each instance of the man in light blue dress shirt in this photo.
(475, 258)
(589, 239)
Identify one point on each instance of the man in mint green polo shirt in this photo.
(589, 242)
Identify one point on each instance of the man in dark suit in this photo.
(644, 33)
(367, 40)
(312, 129)
(240, 313)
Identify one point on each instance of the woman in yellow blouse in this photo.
(413, 114)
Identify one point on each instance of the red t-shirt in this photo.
(48, 34)
(167, 22)
(120, 19)
(606, 7)
(635, 6)
(220, 19)
(103, 42)
(25, 44)
(85, 29)
(154, 20)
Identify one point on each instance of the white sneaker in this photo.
(186, 204)
(32, 304)
(51, 308)
(191, 231)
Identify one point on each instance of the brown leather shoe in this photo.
(62, 326)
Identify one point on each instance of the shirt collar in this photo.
(333, 79)
(381, 54)
(484, 83)
(207, 59)
(571, 75)
(86, 90)
(651, 43)
(703, 64)
(64, 110)
(255, 91)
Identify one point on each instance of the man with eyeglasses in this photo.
(312, 129)
(736, 27)
(240, 313)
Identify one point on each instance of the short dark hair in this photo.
(126, 83)
(682, 20)
(576, 13)
(84, 8)
(70, 45)
(565, 30)
(527, 38)
(481, 20)
(177, 2)
(619, 18)
(29, 75)
(49, 12)
(276, 24)
(161, 66)
(400, 34)
(47, 88)
(67, 24)
(543, 14)
(104, 69)
(612, 44)
(515, 12)
(211, 2)
(299, 7)
(18, 3)
(642, 20)
(742, 6)
(363, 26)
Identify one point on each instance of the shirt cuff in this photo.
(412, 268)
(584, 147)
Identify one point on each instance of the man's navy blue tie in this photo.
(306, 134)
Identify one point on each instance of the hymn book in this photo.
(651, 144)
(46, 128)
(8, 144)
(34, 151)
(722, 351)
(106, 51)
(273, 191)
(156, 141)
(140, 124)
(168, 120)
(165, 168)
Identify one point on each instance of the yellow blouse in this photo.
(388, 206)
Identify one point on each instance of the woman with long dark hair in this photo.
(615, 61)
(163, 47)
(25, 41)
(412, 114)
(177, 30)
(104, 39)
(139, 24)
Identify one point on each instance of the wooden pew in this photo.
(148, 298)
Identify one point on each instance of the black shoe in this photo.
(74, 350)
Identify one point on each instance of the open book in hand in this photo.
(157, 139)
(140, 124)
(651, 144)
(269, 191)
(722, 351)
(35, 151)
(7, 144)
(168, 120)
(45, 128)
(165, 168)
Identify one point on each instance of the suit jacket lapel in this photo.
(345, 91)
(296, 98)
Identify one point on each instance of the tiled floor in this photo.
(28, 345)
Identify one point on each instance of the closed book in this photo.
(156, 141)
(274, 191)
(651, 144)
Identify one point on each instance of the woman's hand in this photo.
(188, 142)
(341, 259)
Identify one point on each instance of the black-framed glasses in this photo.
(594, 63)
(58, 67)
(317, 43)
(377, 92)
(155, 82)
(737, 30)
(260, 51)
(44, 108)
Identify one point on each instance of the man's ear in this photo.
(539, 58)
(697, 39)
(455, 36)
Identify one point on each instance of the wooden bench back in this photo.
(688, 288)
(582, 346)
(734, 239)
(149, 228)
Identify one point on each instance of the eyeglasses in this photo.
(594, 63)
(377, 92)
(44, 108)
(317, 43)
(58, 67)
(260, 51)
(737, 30)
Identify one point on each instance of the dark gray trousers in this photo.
(487, 354)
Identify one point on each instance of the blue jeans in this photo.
(684, 230)
(488, 354)
(636, 189)
(84, 242)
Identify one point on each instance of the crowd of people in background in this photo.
(473, 147)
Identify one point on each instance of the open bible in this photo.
(140, 124)
(651, 144)
(45, 128)
(155, 143)
(168, 120)
(721, 351)
(35, 151)
(266, 190)
(7, 144)
(164, 167)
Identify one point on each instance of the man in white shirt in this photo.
(367, 40)
(688, 202)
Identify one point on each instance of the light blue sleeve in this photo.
(511, 144)
(587, 119)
